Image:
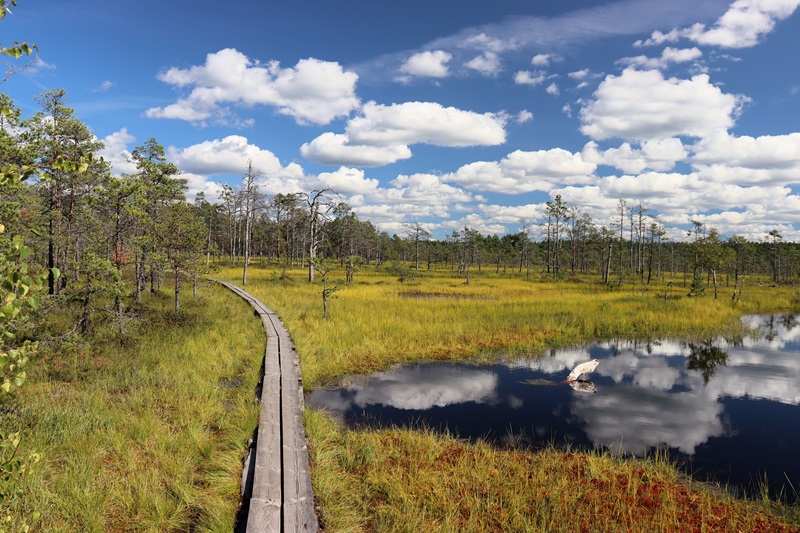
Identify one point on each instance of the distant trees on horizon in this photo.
(99, 230)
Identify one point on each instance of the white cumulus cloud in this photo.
(668, 57)
(521, 172)
(528, 77)
(230, 155)
(579, 74)
(523, 117)
(764, 152)
(745, 22)
(643, 105)
(116, 152)
(655, 154)
(428, 64)
(313, 91)
(335, 148)
(487, 64)
(347, 181)
(423, 189)
(425, 122)
(381, 134)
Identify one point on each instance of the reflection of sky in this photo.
(643, 409)
(640, 411)
(634, 419)
(415, 388)
(646, 395)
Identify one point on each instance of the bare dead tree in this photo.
(251, 202)
(320, 203)
(416, 232)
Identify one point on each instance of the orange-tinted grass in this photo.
(404, 480)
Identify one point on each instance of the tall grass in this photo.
(378, 320)
(148, 434)
(405, 480)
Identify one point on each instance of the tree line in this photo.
(106, 238)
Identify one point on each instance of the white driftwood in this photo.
(583, 368)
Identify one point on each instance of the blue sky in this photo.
(448, 113)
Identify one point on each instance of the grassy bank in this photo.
(377, 320)
(147, 435)
(404, 480)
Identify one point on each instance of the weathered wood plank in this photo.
(282, 497)
(268, 469)
(296, 476)
(265, 515)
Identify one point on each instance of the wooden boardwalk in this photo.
(281, 499)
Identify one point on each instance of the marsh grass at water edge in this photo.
(720, 409)
(377, 320)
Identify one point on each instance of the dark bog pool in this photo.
(728, 412)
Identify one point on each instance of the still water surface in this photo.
(728, 412)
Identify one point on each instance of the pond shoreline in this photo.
(685, 399)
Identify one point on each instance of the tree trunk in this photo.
(84, 322)
(51, 261)
(118, 312)
(177, 290)
(139, 278)
(152, 278)
(324, 297)
(248, 228)
(208, 246)
(714, 274)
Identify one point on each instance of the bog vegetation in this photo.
(377, 320)
(124, 408)
(145, 433)
(131, 421)
(409, 480)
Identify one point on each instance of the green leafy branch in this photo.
(12, 175)
(18, 50)
(17, 294)
(13, 471)
(18, 289)
(4, 9)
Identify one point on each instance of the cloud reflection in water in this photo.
(415, 388)
(710, 402)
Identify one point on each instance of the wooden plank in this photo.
(268, 468)
(298, 497)
(267, 484)
(296, 516)
(265, 515)
(282, 497)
